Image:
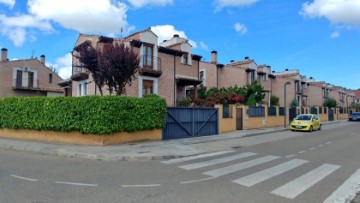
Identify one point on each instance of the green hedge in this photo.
(88, 115)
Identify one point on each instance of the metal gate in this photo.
(239, 119)
(331, 115)
(292, 114)
(190, 122)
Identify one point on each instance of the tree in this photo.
(89, 58)
(294, 103)
(274, 100)
(330, 103)
(255, 89)
(119, 64)
(115, 65)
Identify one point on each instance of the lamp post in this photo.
(287, 83)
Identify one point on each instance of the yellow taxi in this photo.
(306, 122)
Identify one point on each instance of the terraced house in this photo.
(166, 69)
(27, 77)
(306, 91)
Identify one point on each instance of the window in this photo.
(184, 59)
(50, 78)
(30, 79)
(19, 78)
(148, 56)
(148, 87)
(82, 89)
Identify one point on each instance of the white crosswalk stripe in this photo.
(304, 182)
(179, 160)
(240, 166)
(217, 161)
(347, 191)
(266, 174)
(344, 193)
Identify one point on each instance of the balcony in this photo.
(80, 74)
(150, 66)
(18, 85)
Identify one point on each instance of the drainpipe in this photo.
(175, 79)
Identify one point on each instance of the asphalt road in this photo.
(309, 167)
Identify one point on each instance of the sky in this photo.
(320, 38)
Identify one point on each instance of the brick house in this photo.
(355, 96)
(27, 77)
(166, 69)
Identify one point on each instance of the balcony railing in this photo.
(18, 85)
(150, 66)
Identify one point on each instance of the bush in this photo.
(330, 103)
(184, 103)
(88, 115)
(274, 100)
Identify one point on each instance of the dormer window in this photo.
(185, 58)
(148, 56)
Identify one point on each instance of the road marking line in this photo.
(178, 160)
(23, 178)
(289, 156)
(301, 152)
(312, 148)
(304, 182)
(328, 143)
(240, 166)
(216, 161)
(347, 191)
(266, 174)
(195, 181)
(321, 145)
(77, 184)
(151, 185)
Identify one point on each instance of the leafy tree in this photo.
(255, 89)
(355, 106)
(330, 103)
(115, 65)
(90, 57)
(119, 64)
(251, 101)
(274, 100)
(294, 103)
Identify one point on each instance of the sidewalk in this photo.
(154, 150)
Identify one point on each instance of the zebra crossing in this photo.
(289, 190)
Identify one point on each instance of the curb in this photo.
(105, 157)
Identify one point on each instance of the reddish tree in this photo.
(119, 65)
(89, 58)
(115, 65)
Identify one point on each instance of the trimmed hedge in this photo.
(88, 115)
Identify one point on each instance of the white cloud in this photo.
(9, 3)
(141, 3)
(99, 16)
(166, 32)
(336, 11)
(220, 4)
(88, 16)
(335, 34)
(63, 65)
(15, 28)
(240, 28)
(204, 46)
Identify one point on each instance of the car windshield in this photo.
(303, 118)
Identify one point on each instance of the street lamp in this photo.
(287, 83)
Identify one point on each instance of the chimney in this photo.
(273, 71)
(214, 57)
(232, 61)
(286, 69)
(4, 55)
(246, 58)
(176, 35)
(42, 59)
(311, 78)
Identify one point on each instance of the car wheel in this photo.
(319, 127)
(310, 129)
